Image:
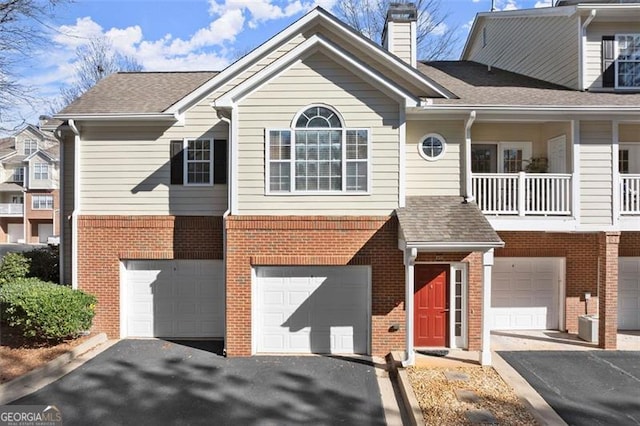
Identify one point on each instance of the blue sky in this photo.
(187, 34)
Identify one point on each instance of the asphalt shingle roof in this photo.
(474, 84)
(444, 219)
(139, 92)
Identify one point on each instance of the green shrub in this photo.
(44, 263)
(45, 310)
(14, 265)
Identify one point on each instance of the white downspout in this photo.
(409, 263)
(468, 195)
(76, 204)
(224, 223)
(583, 48)
(61, 207)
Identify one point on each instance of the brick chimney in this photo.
(399, 33)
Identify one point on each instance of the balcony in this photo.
(630, 194)
(523, 194)
(11, 210)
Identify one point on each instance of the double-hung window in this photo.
(40, 171)
(42, 202)
(18, 174)
(318, 155)
(199, 162)
(30, 146)
(628, 61)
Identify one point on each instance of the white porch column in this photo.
(409, 263)
(487, 263)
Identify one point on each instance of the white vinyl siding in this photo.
(126, 170)
(541, 47)
(596, 180)
(318, 79)
(593, 56)
(401, 40)
(440, 177)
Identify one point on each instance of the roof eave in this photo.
(537, 109)
(317, 13)
(119, 117)
(434, 246)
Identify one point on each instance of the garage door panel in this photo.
(525, 293)
(175, 298)
(313, 309)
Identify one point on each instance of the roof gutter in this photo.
(583, 48)
(515, 109)
(441, 246)
(122, 117)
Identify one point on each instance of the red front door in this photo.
(431, 305)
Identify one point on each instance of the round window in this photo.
(431, 147)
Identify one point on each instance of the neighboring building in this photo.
(324, 194)
(29, 163)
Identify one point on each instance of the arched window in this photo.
(318, 154)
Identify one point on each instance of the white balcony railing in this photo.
(630, 194)
(523, 194)
(11, 209)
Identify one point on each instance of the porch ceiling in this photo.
(445, 223)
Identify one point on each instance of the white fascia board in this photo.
(333, 24)
(309, 46)
(448, 247)
(121, 117)
(601, 110)
(472, 34)
(532, 13)
(9, 155)
(232, 70)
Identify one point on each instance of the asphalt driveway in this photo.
(155, 382)
(584, 387)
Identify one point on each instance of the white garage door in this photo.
(316, 309)
(629, 293)
(45, 230)
(15, 232)
(525, 293)
(174, 298)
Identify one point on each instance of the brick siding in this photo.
(581, 251)
(104, 241)
(260, 240)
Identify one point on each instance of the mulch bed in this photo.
(19, 355)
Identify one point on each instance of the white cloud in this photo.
(543, 3)
(468, 25)
(476, 1)
(507, 5)
(440, 29)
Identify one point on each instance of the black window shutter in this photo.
(219, 161)
(608, 61)
(177, 162)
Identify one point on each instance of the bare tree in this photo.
(435, 40)
(95, 61)
(22, 25)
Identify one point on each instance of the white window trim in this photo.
(185, 171)
(436, 136)
(292, 190)
(18, 172)
(24, 146)
(617, 61)
(37, 166)
(39, 197)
